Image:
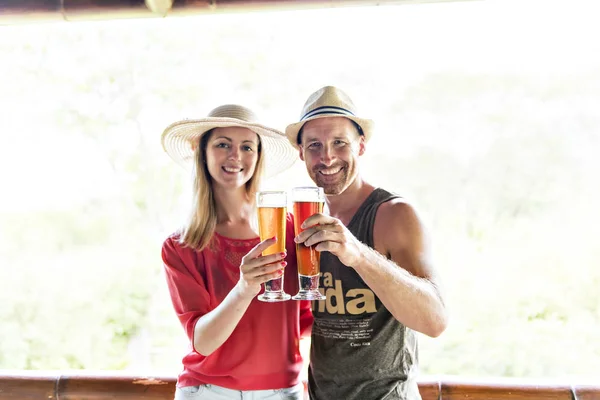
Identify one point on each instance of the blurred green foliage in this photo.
(502, 164)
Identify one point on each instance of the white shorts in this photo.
(212, 392)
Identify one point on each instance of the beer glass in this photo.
(272, 208)
(307, 201)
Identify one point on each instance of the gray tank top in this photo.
(359, 351)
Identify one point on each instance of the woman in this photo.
(240, 347)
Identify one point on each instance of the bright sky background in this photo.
(403, 43)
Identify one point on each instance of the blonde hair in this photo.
(202, 221)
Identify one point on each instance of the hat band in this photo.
(326, 110)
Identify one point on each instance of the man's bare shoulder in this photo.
(398, 210)
(400, 235)
(397, 221)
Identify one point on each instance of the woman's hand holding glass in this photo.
(257, 269)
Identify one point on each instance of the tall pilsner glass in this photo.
(272, 208)
(307, 201)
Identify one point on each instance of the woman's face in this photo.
(231, 156)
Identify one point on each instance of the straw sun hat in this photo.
(180, 138)
(328, 101)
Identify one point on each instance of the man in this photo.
(377, 274)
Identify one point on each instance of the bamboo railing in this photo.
(31, 11)
(30, 385)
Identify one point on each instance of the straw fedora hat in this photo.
(180, 138)
(328, 101)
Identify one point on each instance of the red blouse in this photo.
(263, 350)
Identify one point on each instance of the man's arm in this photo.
(406, 283)
(400, 271)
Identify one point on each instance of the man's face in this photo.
(330, 149)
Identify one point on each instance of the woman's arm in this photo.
(209, 329)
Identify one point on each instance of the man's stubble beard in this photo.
(332, 188)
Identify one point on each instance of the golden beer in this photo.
(271, 222)
(308, 258)
(308, 201)
(272, 210)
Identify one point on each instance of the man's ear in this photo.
(362, 145)
(301, 153)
